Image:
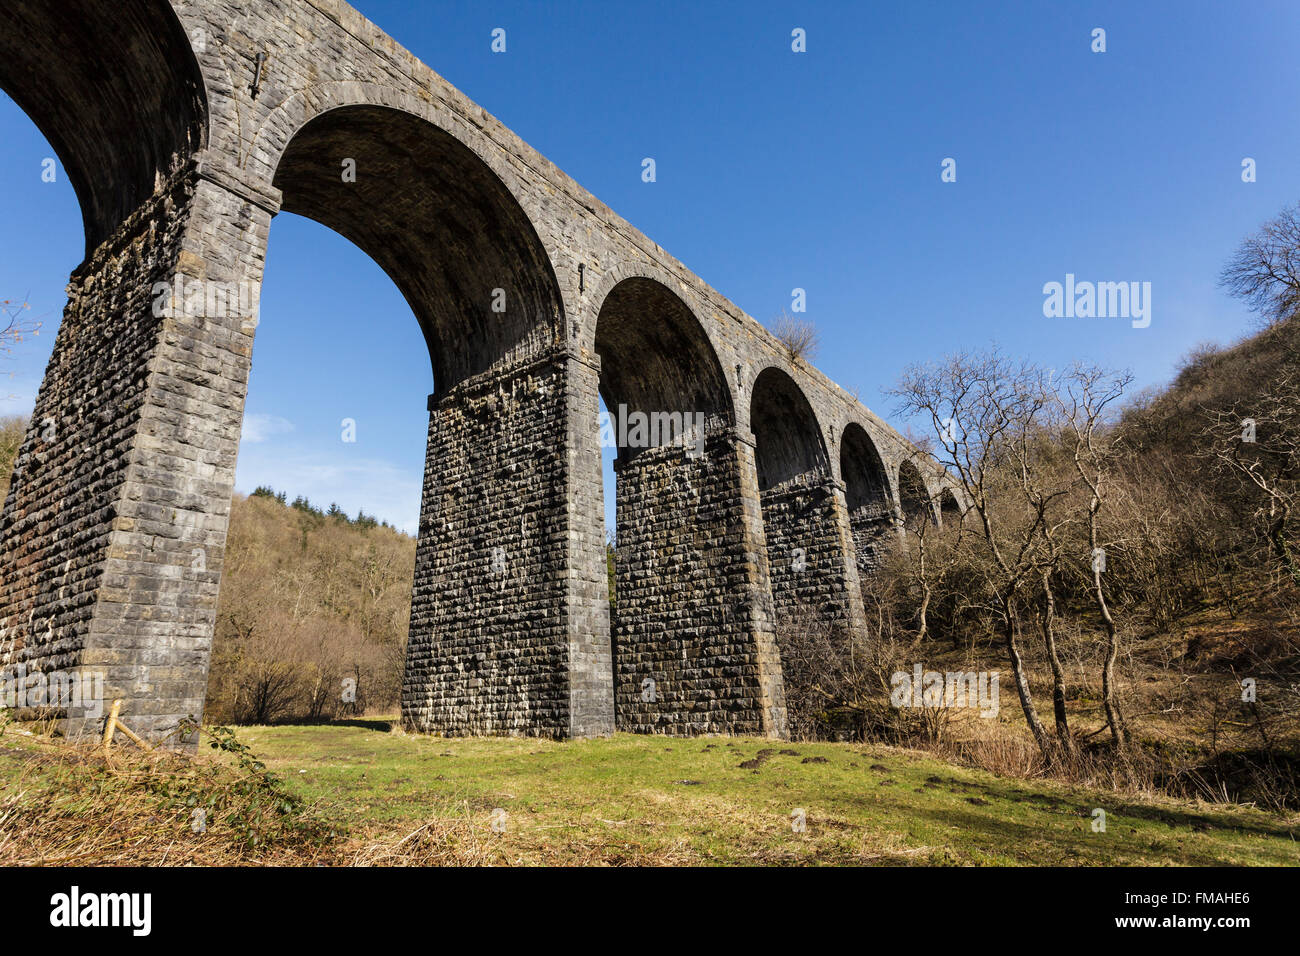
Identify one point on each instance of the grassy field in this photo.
(395, 799)
(633, 799)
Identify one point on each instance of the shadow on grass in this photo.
(1173, 818)
(1026, 842)
(381, 725)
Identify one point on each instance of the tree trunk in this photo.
(1022, 682)
(1281, 547)
(1118, 731)
(1047, 624)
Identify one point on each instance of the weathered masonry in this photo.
(186, 126)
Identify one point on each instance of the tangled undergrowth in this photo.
(71, 804)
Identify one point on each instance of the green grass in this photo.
(637, 799)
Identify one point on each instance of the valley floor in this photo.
(657, 800)
(403, 799)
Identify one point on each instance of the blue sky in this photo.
(776, 170)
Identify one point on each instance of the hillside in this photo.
(313, 613)
(1157, 538)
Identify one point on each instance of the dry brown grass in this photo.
(70, 804)
(67, 804)
(435, 843)
(1181, 694)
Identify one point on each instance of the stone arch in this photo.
(440, 222)
(950, 508)
(656, 356)
(913, 496)
(867, 496)
(490, 648)
(794, 486)
(681, 574)
(121, 132)
(788, 438)
(813, 575)
(261, 154)
(597, 292)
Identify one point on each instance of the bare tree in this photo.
(986, 412)
(1047, 565)
(15, 324)
(1265, 269)
(799, 336)
(1086, 394)
(1258, 442)
(935, 552)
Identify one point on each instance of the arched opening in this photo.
(866, 491)
(793, 479)
(488, 642)
(667, 413)
(122, 130)
(913, 497)
(312, 593)
(950, 512)
(440, 223)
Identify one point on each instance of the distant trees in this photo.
(301, 503)
(611, 559)
(313, 613)
(12, 430)
(15, 325)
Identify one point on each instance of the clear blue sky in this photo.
(819, 170)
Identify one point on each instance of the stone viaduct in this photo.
(185, 126)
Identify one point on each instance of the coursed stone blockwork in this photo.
(691, 653)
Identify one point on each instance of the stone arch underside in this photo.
(117, 92)
(802, 510)
(655, 357)
(689, 653)
(866, 493)
(119, 96)
(950, 509)
(443, 226)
